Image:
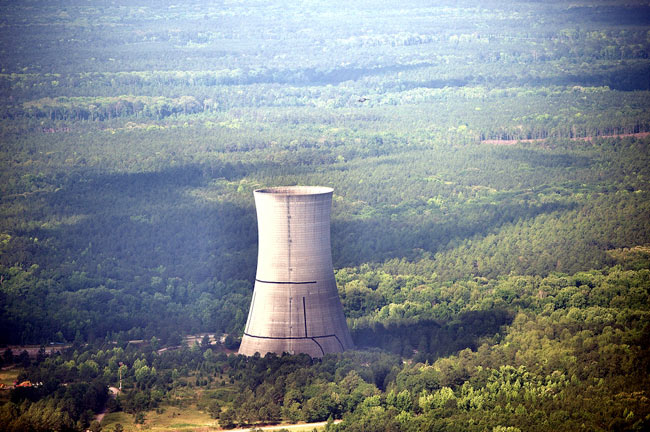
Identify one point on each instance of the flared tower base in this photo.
(295, 306)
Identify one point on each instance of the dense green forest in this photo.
(490, 225)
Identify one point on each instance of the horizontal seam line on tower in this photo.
(290, 337)
(286, 283)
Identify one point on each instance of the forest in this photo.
(490, 233)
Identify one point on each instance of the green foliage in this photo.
(574, 344)
(491, 284)
(139, 418)
(215, 410)
(127, 178)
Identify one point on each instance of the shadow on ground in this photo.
(428, 340)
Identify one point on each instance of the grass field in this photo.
(174, 419)
(187, 412)
(189, 417)
(167, 418)
(7, 377)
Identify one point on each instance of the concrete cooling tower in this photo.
(295, 306)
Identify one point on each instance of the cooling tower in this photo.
(295, 306)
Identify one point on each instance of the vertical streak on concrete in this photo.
(248, 321)
(289, 238)
(294, 261)
(290, 323)
(304, 313)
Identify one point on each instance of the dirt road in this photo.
(112, 393)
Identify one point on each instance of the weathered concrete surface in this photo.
(295, 306)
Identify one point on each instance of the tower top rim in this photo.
(295, 190)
